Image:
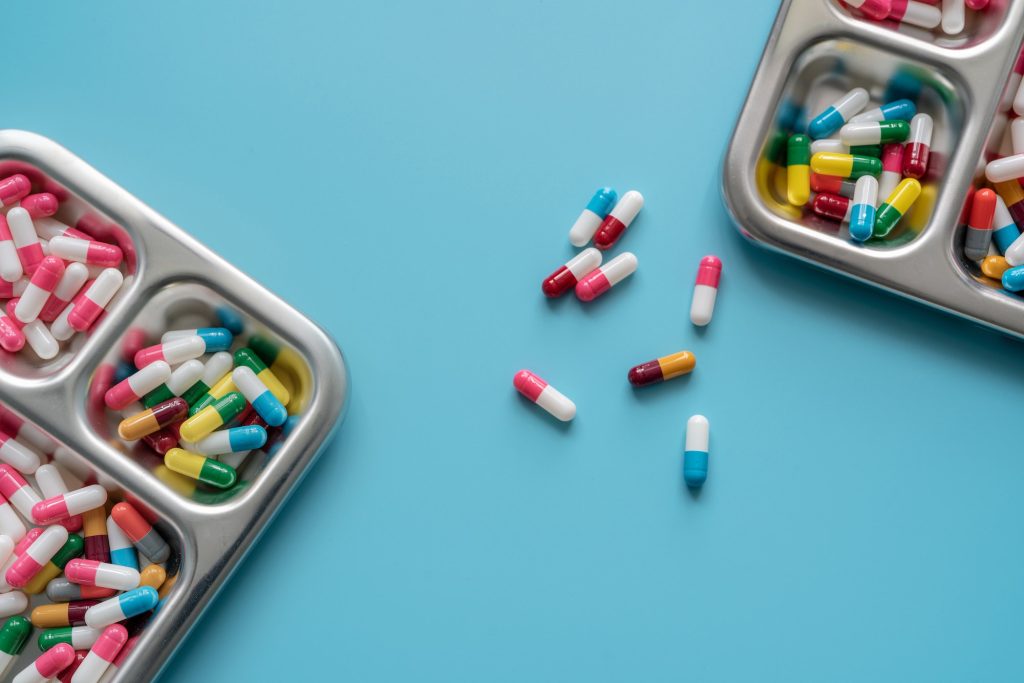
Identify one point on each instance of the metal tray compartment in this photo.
(174, 279)
(807, 38)
(979, 26)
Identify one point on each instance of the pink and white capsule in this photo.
(51, 484)
(136, 386)
(36, 333)
(18, 456)
(918, 14)
(954, 15)
(30, 251)
(13, 189)
(102, 654)
(19, 548)
(174, 351)
(53, 510)
(102, 574)
(13, 602)
(12, 339)
(99, 294)
(705, 291)
(36, 555)
(11, 526)
(15, 489)
(892, 170)
(86, 251)
(75, 275)
(543, 394)
(10, 264)
(47, 665)
(43, 283)
(48, 228)
(607, 276)
(12, 289)
(60, 328)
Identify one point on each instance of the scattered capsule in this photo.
(593, 215)
(71, 549)
(862, 215)
(620, 218)
(122, 551)
(915, 13)
(1013, 279)
(19, 549)
(102, 574)
(94, 528)
(898, 110)
(256, 392)
(62, 590)
(543, 394)
(135, 601)
(15, 489)
(915, 156)
(979, 225)
(994, 267)
(662, 369)
(30, 251)
(705, 290)
(121, 656)
(44, 281)
(152, 419)
(102, 654)
(175, 351)
(565, 278)
(248, 358)
(16, 455)
(213, 416)
(132, 389)
(94, 299)
(78, 637)
(892, 169)
(13, 189)
(218, 366)
(234, 440)
(149, 542)
(153, 575)
(833, 207)
(831, 184)
(47, 665)
(61, 614)
(75, 276)
(200, 468)
(13, 636)
(607, 276)
(695, 456)
(897, 204)
(845, 165)
(832, 119)
(36, 556)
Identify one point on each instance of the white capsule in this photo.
(182, 349)
(10, 525)
(99, 658)
(22, 229)
(584, 262)
(60, 328)
(184, 376)
(1017, 135)
(149, 378)
(1015, 252)
(543, 394)
(1007, 168)
(12, 603)
(829, 145)
(953, 16)
(20, 457)
(10, 265)
(620, 267)
(216, 367)
(922, 15)
(40, 339)
(85, 499)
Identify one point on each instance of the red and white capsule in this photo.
(607, 276)
(43, 283)
(134, 387)
(65, 505)
(30, 251)
(102, 574)
(86, 251)
(87, 309)
(565, 278)
(543, 394)
(705, 291)
(16, 455)
(75, 275)
(620, 218)
(918, 149)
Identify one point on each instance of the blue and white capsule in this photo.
(230, 319)
(234, 440)
(862, 215)
(261, 398)
(835, 117)
(121, 607)
(695, 457)
(1005, 231)
(122, 551)
(215, 338)
(898, 110)
(590, 220)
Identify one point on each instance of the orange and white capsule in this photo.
(705, 291)
(543, 394)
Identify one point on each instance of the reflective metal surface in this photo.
(968, 77)
(174, 279)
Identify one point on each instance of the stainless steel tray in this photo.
(173, 271)
(927, 268)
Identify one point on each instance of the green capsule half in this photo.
(54, 636)
(268, 350)
(14, 635)
(159, 395)
(893, 131)
(72, 548)
(867, 151)
(249, 359)
(195, 392)
(798, 151)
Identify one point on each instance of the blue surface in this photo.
(406, 174)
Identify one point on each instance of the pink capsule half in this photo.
(102, 574)
(133, 388)
(14, 188)
(40, 205)
(40, 287)
(36, 556)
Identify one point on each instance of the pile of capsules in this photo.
(950, 15)
(56, 279)
(193, 401)
(605, 221)
(85, 559)
(860, 166)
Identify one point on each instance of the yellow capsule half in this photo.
(905, 194)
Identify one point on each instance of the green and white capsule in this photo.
(201, 468)
(874, 132)
(183, 378)
(897, 204)
(216, 367)
(13, 636)
(78, 637)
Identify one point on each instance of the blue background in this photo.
(405, 173)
